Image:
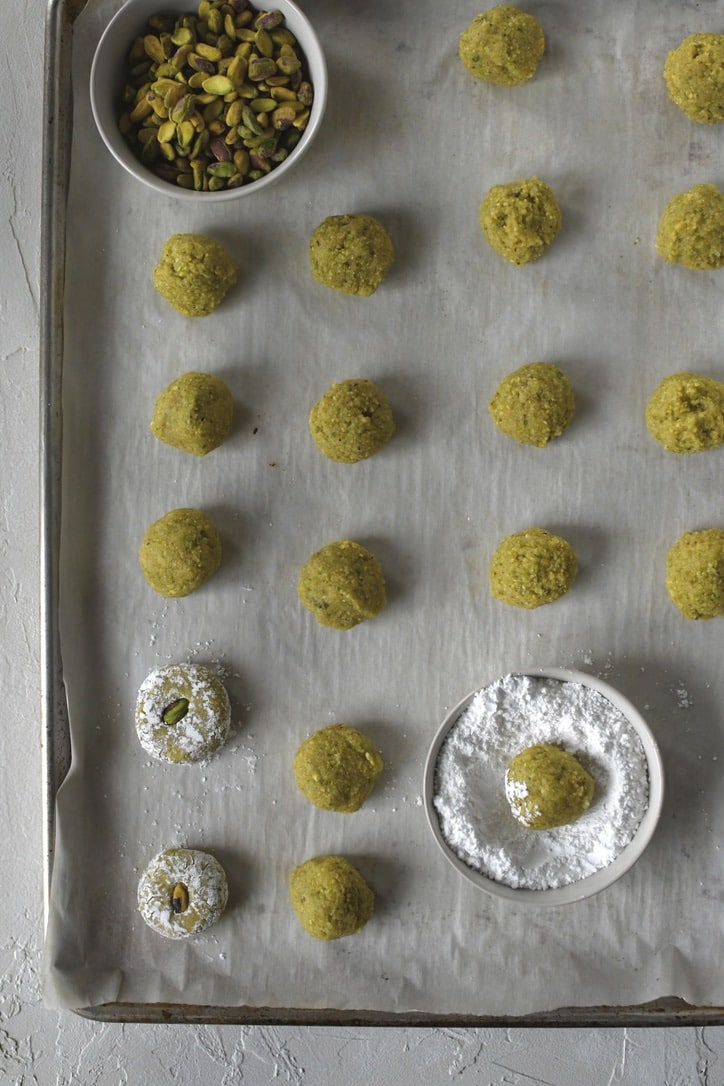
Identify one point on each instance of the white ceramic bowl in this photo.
(107, 79)
(601, 879)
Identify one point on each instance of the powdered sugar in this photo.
(515, 792)
(204, 727)
(204, 880)
(511, 714)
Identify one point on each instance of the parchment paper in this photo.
(410, 137)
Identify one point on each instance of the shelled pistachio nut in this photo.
(215, 99)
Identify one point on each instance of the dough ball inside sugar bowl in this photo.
(502, 45)
(547, 786)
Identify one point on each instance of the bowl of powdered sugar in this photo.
(469, 797)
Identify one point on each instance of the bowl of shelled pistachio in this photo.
(210, 101)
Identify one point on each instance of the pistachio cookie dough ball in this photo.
(547, 786)
(532, 567)
(695, 573)
(520, 219)
(502, 45)
(194, 274)
(351, 253)
(342, 585)
(336, 768)
(182, 713)
(691, 229)
(194, 414)
(182, 892)
(685, 413)
(330, 897)
(351, 422)
(179, 552)
(533, 404)
(694, 77)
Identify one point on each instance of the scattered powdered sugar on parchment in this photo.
(511, 714)
(682, 696)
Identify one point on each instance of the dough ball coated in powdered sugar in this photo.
(182, 892)
(547, 786)
(182, 713)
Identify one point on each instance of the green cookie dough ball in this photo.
(351, 253)
(182, 892)
(695, 573)
(194, 274)
(546, 787)
(351, 422)
(182, 713)
(179, 552)
(691, 229)
(342, 585)
(336, 768)
(330, 897)
(533, 404)
(520, 219)
(694, 76)
(194, 413)
(532, 567)
(502, 45)
(686, 413)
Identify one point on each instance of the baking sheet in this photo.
(408, 137)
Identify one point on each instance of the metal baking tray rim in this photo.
(55, 737)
